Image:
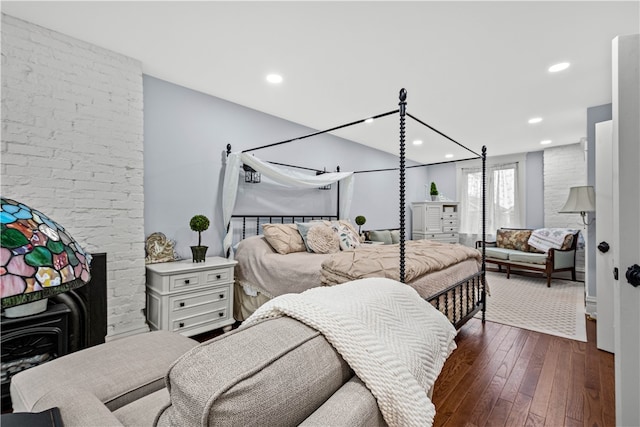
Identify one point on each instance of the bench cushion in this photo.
(498, 253)
(528, 257)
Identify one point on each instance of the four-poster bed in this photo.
(457, 288)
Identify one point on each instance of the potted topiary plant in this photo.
(360, 220)
(199, 223)
(434, 192)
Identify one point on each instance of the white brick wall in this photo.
(564, 167)
(72, 128)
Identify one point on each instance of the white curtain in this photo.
(282, 176)
(502, 202)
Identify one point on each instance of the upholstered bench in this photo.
(512, 250)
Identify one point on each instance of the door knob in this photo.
(603, 247)
(633, 275)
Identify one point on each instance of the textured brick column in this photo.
(72, 134)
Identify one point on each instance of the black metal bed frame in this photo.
(460, 301)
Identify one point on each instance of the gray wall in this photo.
(186, 133)
(534, 214)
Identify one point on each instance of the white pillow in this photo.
(349, 240)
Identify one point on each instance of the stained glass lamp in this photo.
(38, 259)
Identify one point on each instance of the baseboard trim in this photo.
(591, 307)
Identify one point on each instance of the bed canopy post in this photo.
(403, 110)
(338, 196)
(484, 229)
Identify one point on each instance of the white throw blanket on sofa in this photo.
(395, 341)
(544, 239)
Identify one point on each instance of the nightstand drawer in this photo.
(199, 301)
(201, 319)
(182, 282)
(222, 275)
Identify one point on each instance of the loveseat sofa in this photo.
(512, 249)
(275, 372)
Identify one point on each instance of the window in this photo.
(502, 197)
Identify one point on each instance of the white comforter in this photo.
(394, 341)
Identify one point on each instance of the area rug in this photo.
(527, 303)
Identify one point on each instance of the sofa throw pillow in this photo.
(513, 239)
(284, 238)
(323, 240)
(381, 236)
(349, 239)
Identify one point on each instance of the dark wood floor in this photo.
(505, 376)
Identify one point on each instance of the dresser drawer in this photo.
(449, 215)
(221, 275)
(192, 302)
(450, 229)
(193, 321)
(185, 281)
(449, 223)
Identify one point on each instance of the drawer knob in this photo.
(218, 276)
(221, 296)
(181, 324)
(221, 314)
(186, 281)
(182, 304)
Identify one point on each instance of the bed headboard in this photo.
(244, 226)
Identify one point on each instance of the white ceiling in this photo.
(476, 71)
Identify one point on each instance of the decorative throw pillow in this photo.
(322, 240)
(303, 230)
(349, 239)
(381, 236)
(568, 241)
(395, 236)
(284, 238)
(513, 239)
(351, 227)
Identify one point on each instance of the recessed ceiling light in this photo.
(448, 156)
(369, 120)
(274, 78)
(535, 120)
(417, 142)
(545, 142)
(559, 67)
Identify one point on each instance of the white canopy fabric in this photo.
(286, 177)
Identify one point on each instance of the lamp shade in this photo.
(581, 199)
(38, 258)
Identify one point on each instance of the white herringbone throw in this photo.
(395, 341)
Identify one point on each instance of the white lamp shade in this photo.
(581, 199)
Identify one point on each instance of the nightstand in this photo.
(190, 298)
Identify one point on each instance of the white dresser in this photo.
(435, 221)
(188, 297)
